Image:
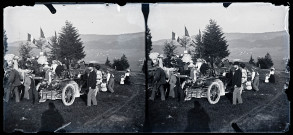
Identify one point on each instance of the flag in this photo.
(186, 32)
(42, 33)
(173, 36)
(29, 37)
(55, 34)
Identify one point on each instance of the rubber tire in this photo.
(209, 93)
(63, 94)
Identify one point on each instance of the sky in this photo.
(238, 17)
(87, 18)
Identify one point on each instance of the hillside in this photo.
(243, 45)
(98, 47)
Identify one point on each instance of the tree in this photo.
(117, 64)
(214, 44)
(108, 63)
(148, 42)
(54, 47)
(268, 60)
(124, 62)
(71, 46)
(251, 61)
(25, 50)
(169, 51)
(265, 62)
(120, 64)
(198, 45)
(5, 44)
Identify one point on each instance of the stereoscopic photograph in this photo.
(218, 68)
(77, 70)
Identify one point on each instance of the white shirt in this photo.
(272, 72)
(103, 87)
(108, 77)
(122, 80)
(252, 75)
(99, 74)
(160, 62)
(54, 66)
(127, 74)
(198, 65)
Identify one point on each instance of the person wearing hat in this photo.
(236, 83)
(33, 93)
(91, 84)
(172, 83)
(111, 83)
(255, 79)
(127, 77)
(27, 84)
(13, 84)
(160, 60)
(15, 62)
(108, 76)
(159, 81)
(272, 75)
(193, 72)
(244, 76)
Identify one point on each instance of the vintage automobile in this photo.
(211, 86)
(66, 88)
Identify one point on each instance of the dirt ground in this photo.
(264, 111)
(121, 111)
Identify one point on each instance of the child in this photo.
(267, 78)
(122, 79)
(104, 85)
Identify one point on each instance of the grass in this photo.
(78, 113)
(220, 114)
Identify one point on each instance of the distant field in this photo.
(98, 47)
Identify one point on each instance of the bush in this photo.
(265, 62)
(120, 64)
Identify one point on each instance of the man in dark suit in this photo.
(159, 82)
(236, 83)
(91, 84)
(13, 84)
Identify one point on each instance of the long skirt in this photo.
(272, 79)
(127, 80)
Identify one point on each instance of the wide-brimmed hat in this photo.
(15, 57)
(161, 56)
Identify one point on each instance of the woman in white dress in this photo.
(104, 85)
(272, 75)
(127, 77)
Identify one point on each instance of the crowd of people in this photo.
(169, 81)
(20, 77)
